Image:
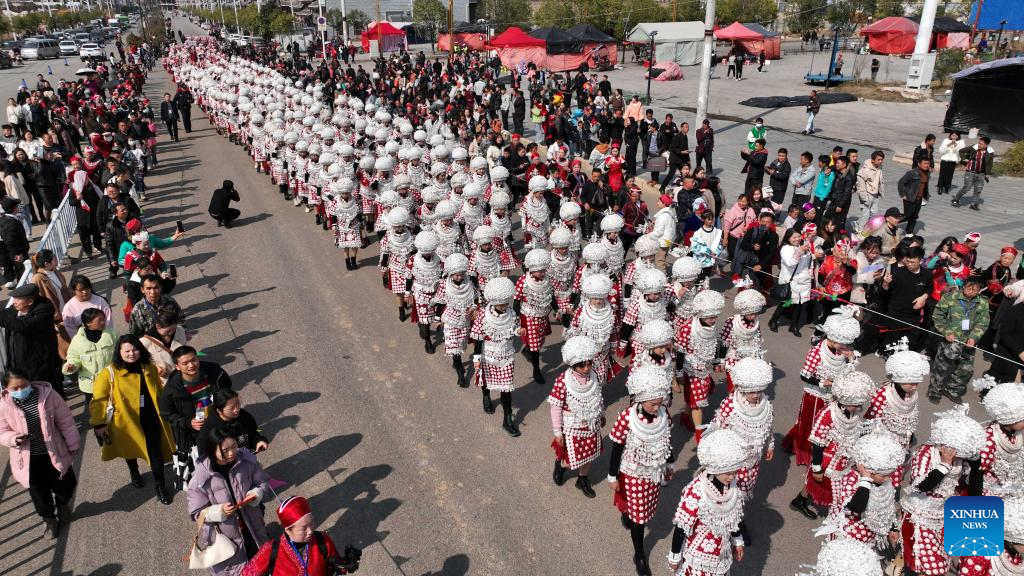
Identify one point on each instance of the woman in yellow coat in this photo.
(136, 429)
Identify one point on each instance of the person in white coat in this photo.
(795, 279)
(664, 231)
(949, 156)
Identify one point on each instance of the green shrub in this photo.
(1012, 162)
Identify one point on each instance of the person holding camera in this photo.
(301, 550)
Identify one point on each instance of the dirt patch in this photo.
(872, 91)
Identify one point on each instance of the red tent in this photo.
(515, 47)
(892, 35)
(392, 38)
(737, 32)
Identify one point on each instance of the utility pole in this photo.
(704, 87)
(380, 45)
(221, 4)
(977, 18)
(675, 10)
(238, 29)
(323, 32)
(922, 62)
(650, 65)
(344, 25)
(451, 42)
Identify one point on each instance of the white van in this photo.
(40, 48)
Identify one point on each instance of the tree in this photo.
(618, 23)
(335, 19)
(358, 20)
(555, 13)
(28, 23)
(429, 16)
(948, 61)
(501, 14)
(806, 15)
(729, 11)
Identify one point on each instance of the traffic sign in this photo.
(321, 24)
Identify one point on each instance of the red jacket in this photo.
(287, 563)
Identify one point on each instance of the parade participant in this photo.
(895, 403)
(484, 262)
(845, 557)
(685, 272)
(562, 271)
(421, 284)
(648, 303)
(568, 218)
(471, 214)
(499, 220)
(299, 169)
(395, 249)
(577, 413)
(595, 319)
(696, 351)
(741, 332)
(748, 412)
(708, 533)
(386, 201)
(301, 551)
(656, 340)
(426, 214)
(938, 470)
(348, 221)
(836, 429)
(611, 229)
(406, 197)
(641, 458)
(458, 183)
(452, 240)
(824, 362)
(455, 309)
(534, 301)
(367, 194)
(499, 178)
(1010, 561)
(1002, 457)
(865, 503)
(494, 327)
(535, 214)
(646, 248)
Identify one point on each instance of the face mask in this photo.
(22, 393)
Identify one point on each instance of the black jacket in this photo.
(909, 184)
(768, 240)
(12, 236)
(755, 165)
(221, 200)
(31, 342)
(177, 407)
(105, 209)
(244, 428)
(183, 101)
(779, 180)
(678, 150)
(842, 190)
(168, 111)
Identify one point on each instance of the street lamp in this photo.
(1002, 24)
(650, 65)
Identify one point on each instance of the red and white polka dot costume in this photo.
(578, 408)
(484, 265)
(425, 275)
(616, 254)
(699, 344)
(599, 325)
(497, 362)
(645, 457)
(742, 339)
(614, 297)
(754, 424)
(1002, 565)
(562, 271)
(873, 525)
(710, 517)
(836, 433)
(899, 415)
(821, 366)
(922, 527)
(347, 223)
(535, 299)
(452, 240)
(394, 254)
(536, 220)
(1002, 461)
(502, 239)
(367, 195)
(639, 311)
(459, 300)
(634, 268)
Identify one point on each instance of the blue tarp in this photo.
(994, 11)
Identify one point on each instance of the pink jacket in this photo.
(59, 431)
(736, 220)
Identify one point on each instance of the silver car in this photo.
(40, 48)
(68, 48)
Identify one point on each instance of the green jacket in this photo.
(88, 358)
(156, 243)
(951, 311)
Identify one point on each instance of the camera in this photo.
(348, 563)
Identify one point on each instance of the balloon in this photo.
(874, 223)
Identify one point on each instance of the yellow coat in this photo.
(128, 440)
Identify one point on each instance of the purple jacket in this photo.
(207, 488)
(59, 431)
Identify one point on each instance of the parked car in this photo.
(40, 48)
(92, 50)
(12, 48)
(5, 59)
(68, 48)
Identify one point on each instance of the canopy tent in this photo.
(595, 42)
(947, 33)
(989, 97)
(770, 42)
(571, 49)
(391, 39)
(892, 35)
(557, 41)
(464, 34)
(679, 42)
(735, 32)
(515, 47)
(995, 11)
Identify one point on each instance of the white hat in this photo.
(438, 169)
(955, 429)
(1005, 403)
(853, 388)
(569, 211)
(646, 245)
(655, 333)
(650, 281)
(1013, 519)
(721, 451)
(430, 195)
(538, 183)
(499, 290)
(343, 185)
(459, 180)
(708, 303)
(905, 366)
(578, 349)
(500, 199)
(460, 153)
(536, 259)
(473, 190)
(397, 216)
(435, 140)
(560, 237)
(140, 237)
(439, 152)
(414, 153)
(328, 133)
(842, 326)
(499, 174)
(847, 557)
(751, 374)
(446, 210)
(477, 163)
(879, 451)
(648, 382)
(382, 164)
(426, 242)
(456, 263)
(612, 223)
(402, 181)
(596, 286)
(748, 302)
(483, 233)
(595, 253)
(388, 199)
(302, 145)
(419, 136)
(366, 163)
(391, 147)
(686, 269)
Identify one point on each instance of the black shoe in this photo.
(559, 474)
(401, 314)
(161, 494)
(975, 207)
(642, 568)
(428, 344)
(318, 220)
(934, 399)
(583, 483)
(51, 528)
(510, 425)
(227, 224)
(538, 376)
(348, 263)
(955, 203)
(461, 374)
(801, 505)
(773, 325)
(795, 332)
(488, 403)
(137, 480)
(355, 263)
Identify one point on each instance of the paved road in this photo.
(396, 458)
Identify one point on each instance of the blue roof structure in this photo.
(995, 11)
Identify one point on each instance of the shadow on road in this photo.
(300, 467)
(457, 565)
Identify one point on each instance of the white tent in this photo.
(679, 42)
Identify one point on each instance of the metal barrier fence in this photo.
(57, 238)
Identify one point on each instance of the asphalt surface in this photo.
(394, 457)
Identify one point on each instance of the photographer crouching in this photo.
(301, 550)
